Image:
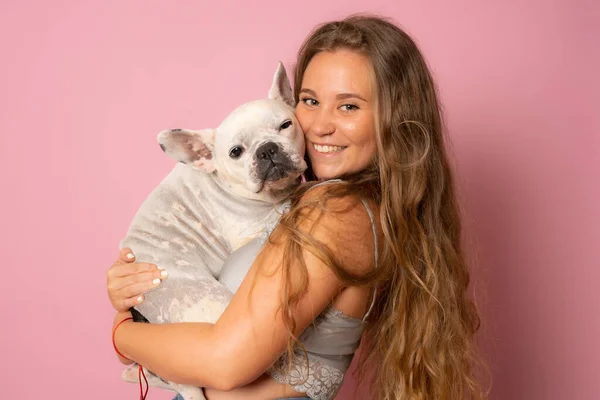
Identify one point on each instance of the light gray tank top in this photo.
(330, 341)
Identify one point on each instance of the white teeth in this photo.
(327, 149)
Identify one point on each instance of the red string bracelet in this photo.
(113, 337)
(140, 368)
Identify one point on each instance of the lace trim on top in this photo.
(318, 380)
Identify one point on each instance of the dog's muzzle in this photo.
(272, 163)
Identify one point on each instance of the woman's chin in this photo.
(325, 176)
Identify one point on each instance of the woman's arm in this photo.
(250, 335)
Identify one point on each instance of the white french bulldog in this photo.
(230, 187)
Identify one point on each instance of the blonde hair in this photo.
(420, 339)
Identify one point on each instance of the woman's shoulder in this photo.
(343, 222)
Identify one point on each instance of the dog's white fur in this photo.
(210, 204)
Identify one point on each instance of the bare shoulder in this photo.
(343, 224)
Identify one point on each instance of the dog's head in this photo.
(258, 150)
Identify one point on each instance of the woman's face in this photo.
(336, 112)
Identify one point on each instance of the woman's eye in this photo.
(285, 125)
(236, 152)
(310, 102)
(349, 107)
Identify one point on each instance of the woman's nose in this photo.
(323, 124)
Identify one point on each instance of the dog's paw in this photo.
(130, 374)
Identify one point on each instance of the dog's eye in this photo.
(285, 125)
(236, 152)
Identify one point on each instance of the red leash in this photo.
(141, 373)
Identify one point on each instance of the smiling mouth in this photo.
(327, 149)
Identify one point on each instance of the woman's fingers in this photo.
(126, 304)
(119, 270)
(138, 289)
(126, 255)
(141, 278)
(127, 280)
(133, 294)
(136, 273)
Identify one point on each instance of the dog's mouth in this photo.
(276, 172)
(279, 176)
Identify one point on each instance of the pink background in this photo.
(86, 87)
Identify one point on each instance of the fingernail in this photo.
(130, 255)
(140, 299)
(160, 268)
(164, 274)
(156, 281)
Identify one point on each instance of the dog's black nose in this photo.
(267, 151)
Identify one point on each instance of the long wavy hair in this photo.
(419, 342)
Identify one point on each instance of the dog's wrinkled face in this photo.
(265, 152)
(258, 150)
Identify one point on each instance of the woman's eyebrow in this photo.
(309, 91)
(341, 96)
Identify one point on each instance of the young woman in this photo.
(371, 247)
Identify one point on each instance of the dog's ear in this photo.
(195, 148)
(281, 88)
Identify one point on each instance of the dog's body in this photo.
(188, 226)
(231, 187)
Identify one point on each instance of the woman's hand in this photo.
(127, 280)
